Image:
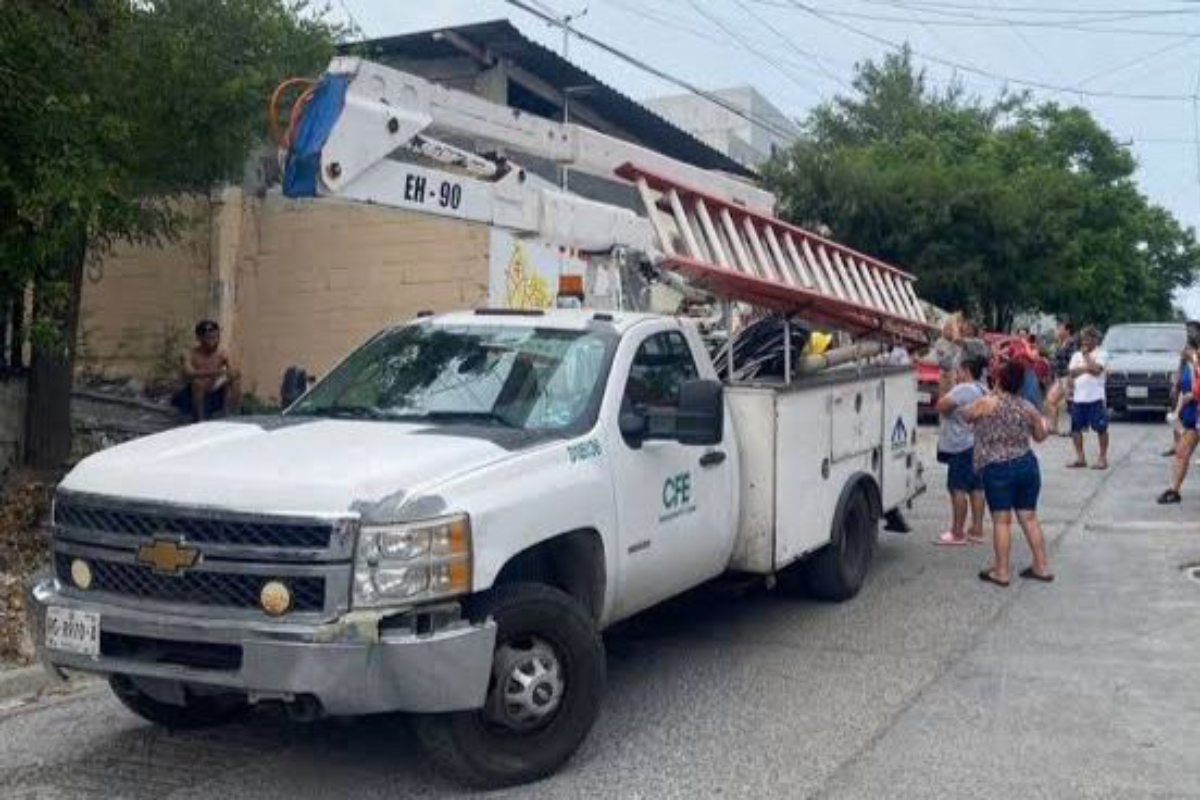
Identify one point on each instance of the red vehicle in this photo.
(1003, 346)
(927, 391)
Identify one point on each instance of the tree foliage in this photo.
(998, 207)
(113, 109)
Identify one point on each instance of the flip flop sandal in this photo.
(977, 539)
(1169, 497)
(1033, 576)
(1077, 465)
(1100, 466)
(948, 539)
(987, 577)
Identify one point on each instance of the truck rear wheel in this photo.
(548, 675)
(198, 711)
(837, 571)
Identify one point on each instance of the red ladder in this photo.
(746, 256)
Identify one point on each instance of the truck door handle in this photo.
(712, 459)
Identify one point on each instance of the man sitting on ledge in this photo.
(212, 386)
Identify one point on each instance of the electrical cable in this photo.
(652, 70)
(974, 70)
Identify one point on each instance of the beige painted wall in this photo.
(325, 277)
(292, 282)
(140, 303)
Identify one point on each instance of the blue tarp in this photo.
(304, 158)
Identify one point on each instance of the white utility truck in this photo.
(445, 523)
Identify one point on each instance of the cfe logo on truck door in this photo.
(677, 496)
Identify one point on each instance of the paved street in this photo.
(930, 684)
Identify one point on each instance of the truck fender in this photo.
(573, 561)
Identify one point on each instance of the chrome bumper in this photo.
(349, 666)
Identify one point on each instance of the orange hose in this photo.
(284, 138)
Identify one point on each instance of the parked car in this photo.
(1143, 360)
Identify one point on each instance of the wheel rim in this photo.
(528, 685)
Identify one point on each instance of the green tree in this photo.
(112, 110)
(998, 207)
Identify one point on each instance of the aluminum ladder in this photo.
(745, 256)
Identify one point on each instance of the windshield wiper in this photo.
(469, 416)
(342, 412)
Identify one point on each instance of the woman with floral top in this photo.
(1004, 425)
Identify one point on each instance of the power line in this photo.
(655, 71)
(976, 20)
(974, 70)
(677, 24)
(747, 46)
(793, 46)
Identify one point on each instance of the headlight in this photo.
(413, 562)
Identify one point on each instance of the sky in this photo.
(1135, 64)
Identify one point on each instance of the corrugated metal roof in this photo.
(504, 40)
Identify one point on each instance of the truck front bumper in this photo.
(350, 666)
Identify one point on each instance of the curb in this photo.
(35, 680)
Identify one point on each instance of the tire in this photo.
(198, 711)
(838, 571)
(541, 633)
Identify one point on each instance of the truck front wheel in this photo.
(547, 679)
(197, 711)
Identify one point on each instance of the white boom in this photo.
(709, 227)
(381, 110)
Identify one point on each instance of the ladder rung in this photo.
(785, 267)
(742, 259)
(824, 280)
(656, 221)
(848, 267)
(760, 253)
(712, 236)
(681, 222)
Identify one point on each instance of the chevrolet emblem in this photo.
(167, 556)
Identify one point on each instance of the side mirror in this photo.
(701, 416)
(633, 428)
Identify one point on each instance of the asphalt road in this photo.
(929, 684)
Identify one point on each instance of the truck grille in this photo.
(231, 590)
(195, 526)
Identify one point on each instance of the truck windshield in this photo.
(1167, 339)
(528, 378)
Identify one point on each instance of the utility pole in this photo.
(565, 23)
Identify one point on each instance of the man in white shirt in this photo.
(1087, 369)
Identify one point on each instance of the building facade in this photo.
(737, 137)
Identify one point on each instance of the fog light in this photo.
(81, 574)
(275, 598)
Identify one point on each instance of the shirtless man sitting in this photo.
(212, 386)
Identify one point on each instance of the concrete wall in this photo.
(291, 282)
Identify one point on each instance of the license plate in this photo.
(1141, 392)
(73, 631)
(924, 398)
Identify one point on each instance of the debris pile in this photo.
(24, 548)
